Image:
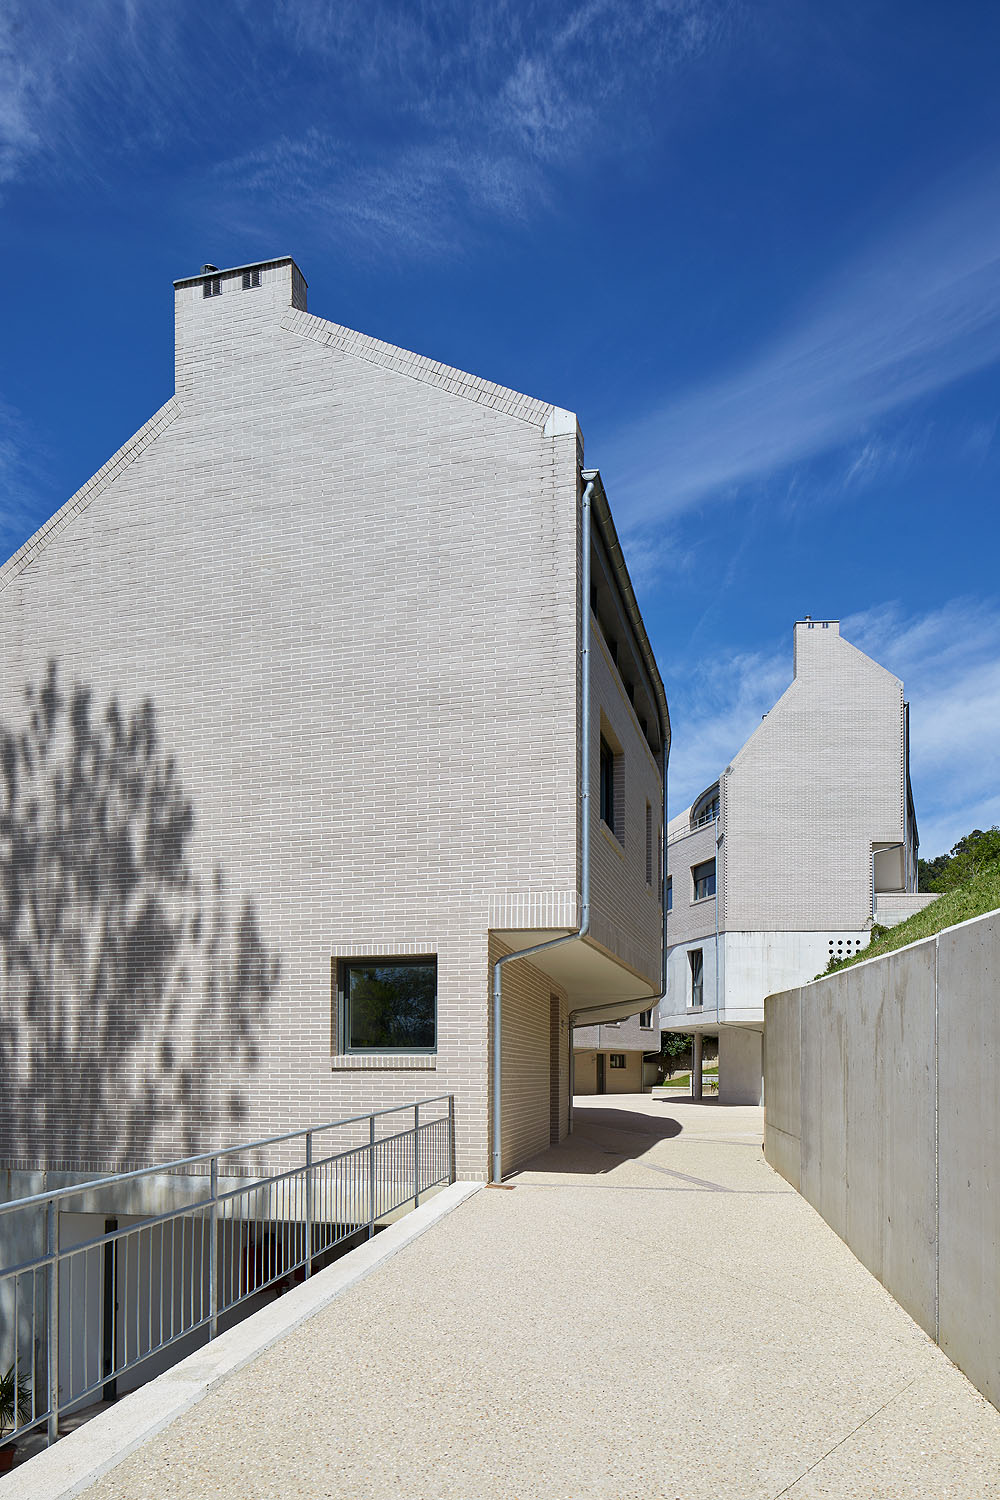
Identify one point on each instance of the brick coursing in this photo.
(346, 581)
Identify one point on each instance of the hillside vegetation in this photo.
(969, 886)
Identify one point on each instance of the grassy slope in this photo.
(978, 895)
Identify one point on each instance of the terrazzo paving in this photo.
(650, 1312)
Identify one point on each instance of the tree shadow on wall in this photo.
(131, 998)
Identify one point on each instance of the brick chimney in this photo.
(218, 314)
(810, 638)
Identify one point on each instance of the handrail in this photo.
(79, 1316)
(75, 1189)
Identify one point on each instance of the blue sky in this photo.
(755, 246)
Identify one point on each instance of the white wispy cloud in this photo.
(948, 658)
(401, 125)
(20, 477)
(916, 314)
(18, 137)
(477, 109)
(715, 706)
(80, 86)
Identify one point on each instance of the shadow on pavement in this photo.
(603, 1137)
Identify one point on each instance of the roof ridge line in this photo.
(419, 367)
(94, 487)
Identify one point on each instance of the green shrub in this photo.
(977, 894)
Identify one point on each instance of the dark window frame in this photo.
(607, 786)
(617, 1060)
(696, 962)
(704, 883)
(343, 969)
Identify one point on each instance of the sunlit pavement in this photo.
(650, 1311)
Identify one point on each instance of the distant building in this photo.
(614, 1058)
(784, 860)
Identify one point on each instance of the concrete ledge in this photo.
(77, 1460)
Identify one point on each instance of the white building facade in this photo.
(312, 645)
(783, 863)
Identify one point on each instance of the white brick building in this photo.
(347, 582)
(780, 864)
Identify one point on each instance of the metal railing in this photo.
(76, 1317)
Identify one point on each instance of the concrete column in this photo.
(696, 1066)
(741, 1075)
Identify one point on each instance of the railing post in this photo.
(371, 1176)
(309, 1202)
(213, 1250)
(416, 1155)
(52, 1248)
(451, 1138)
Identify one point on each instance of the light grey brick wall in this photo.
(689, 918)
(625, 1036)
(819, 781)
(346, 580)
(626, 909)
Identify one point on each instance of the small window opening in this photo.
(649, 844)
(695, 959)
(646, 1020)
(607, 785)
(703, 876)
(251, 278)
(212, 287)
(616, 1059)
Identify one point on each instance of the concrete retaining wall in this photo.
(882, 1108)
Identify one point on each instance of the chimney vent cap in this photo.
(206, 269)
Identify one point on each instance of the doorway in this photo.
(601, 1064)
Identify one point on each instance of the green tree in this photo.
(973, 853)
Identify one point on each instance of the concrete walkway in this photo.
(649, 1312)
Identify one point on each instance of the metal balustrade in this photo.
(76, 1318)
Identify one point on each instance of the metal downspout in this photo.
(718, 841)
(584, 927)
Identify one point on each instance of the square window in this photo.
(251, 278)
(616, 1059)
(388, 1005)
(703, 876)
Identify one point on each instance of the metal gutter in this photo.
(609, 536)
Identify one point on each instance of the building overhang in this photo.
(590, 976)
